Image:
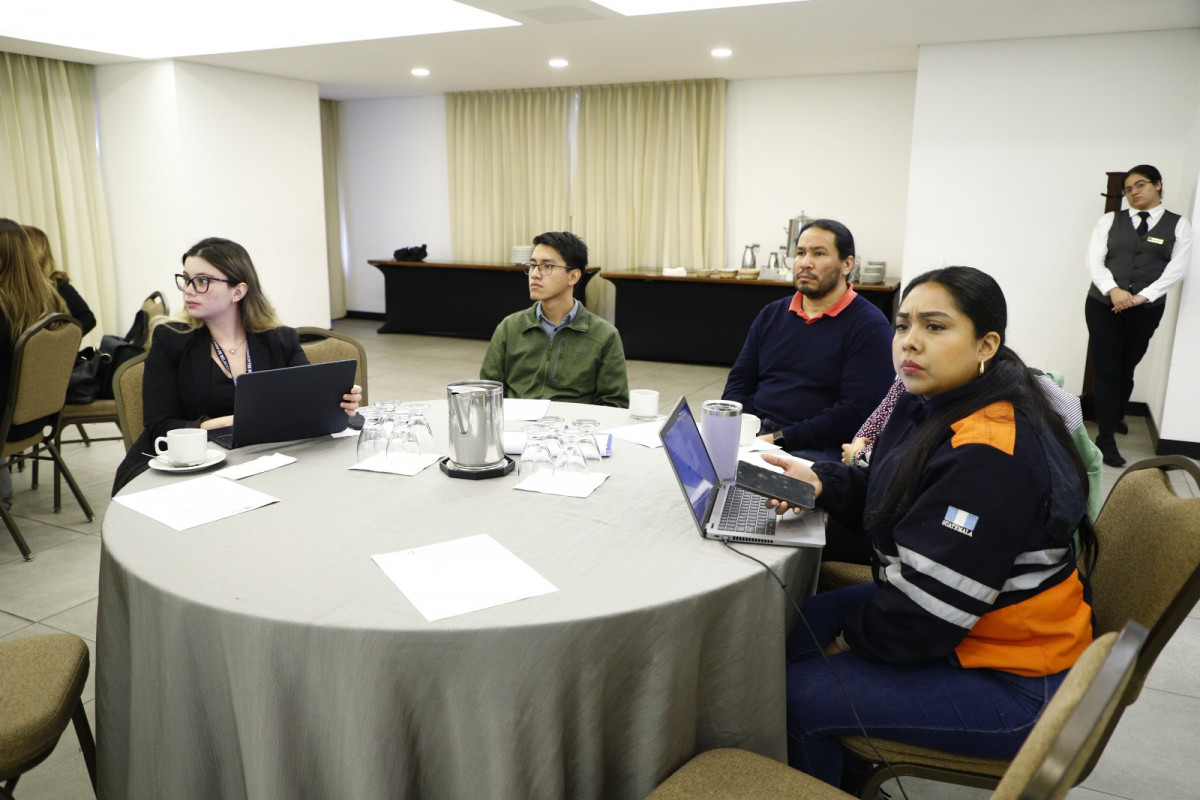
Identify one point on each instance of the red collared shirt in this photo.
(797, 306)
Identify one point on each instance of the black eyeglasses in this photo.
(1137, 187)
(542, 269)
(199, 283)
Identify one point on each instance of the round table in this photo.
(267, 656)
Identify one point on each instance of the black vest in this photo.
(1137, 261)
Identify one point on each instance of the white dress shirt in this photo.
(1171, 274)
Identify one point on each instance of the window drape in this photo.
(333, 209)
(649, 189)
(509, 169)
(50, 172)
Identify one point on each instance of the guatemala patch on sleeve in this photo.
(958, 520)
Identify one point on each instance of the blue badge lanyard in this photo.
(225, 361)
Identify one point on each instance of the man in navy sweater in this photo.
(815, 365)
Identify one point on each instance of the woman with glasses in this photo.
(227, 328)
(1135, 256)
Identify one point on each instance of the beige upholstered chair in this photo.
(1148, 571)
(41, 680)
(41, 367)
(322, 345)
(155, 306)
(127, 391)
(1067, 738)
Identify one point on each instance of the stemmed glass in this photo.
(372, 439)
(553, 426)
(535, 456)
(571, 465)
(403, 439)
(587, 438)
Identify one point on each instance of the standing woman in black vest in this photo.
(1135, 256)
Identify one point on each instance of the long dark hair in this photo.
(979, 298)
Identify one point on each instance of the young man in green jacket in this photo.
(557, 349)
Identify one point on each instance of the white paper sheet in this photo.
(516, 409)
(189, 503)
(260, 464)
(405, 464)
(547, 482)
(514, 443)
(644, 433)
(461, 576)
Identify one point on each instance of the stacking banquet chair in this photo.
(322, 345)
(127, 391)
(1066, 739)
(1148, 570)
(41, 367)
(41, 680)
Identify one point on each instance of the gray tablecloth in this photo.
(267, 656)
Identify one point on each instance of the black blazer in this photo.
(177, 385)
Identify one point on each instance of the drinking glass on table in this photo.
(587, 437)
(402, 440)
(571, 465)
(420, 425)
(554, 427)
(535, 456)
(371, 439)
(387, 411)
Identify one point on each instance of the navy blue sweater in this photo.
(819, 381)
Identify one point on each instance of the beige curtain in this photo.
(649, 189)
(509, 164)
(50, 173)
(333, 209)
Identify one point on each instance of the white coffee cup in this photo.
(183, 447)
(750, 426)
(643, 403)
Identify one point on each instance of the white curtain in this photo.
(649, 189)
(50, 173)
(509, 165)
(333, 209)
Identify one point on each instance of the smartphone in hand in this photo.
(763, 481)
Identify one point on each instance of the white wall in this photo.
(189, 151)
(1011, 141)
(395, 188)
(832, 146)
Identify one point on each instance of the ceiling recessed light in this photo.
(558, 63)
(722, 52)
(420, 72)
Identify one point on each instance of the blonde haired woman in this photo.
(25, 297)
(227, 328)
(43, 256)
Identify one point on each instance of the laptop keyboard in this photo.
(746, 512)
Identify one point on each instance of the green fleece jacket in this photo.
(584, 364)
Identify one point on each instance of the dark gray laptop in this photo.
(280, 405)
(721, 509)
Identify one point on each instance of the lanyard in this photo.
(225, 361)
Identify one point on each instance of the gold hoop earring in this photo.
(981, 363)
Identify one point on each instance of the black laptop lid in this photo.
(279, 405)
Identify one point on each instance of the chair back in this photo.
(41, 368)
(1149, 564)
(322, 345)
(155, 305)
(127, 391)
(1072, 729)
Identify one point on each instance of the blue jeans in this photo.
(976, 712)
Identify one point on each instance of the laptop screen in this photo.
(686, 451)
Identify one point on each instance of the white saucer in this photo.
(215, 456)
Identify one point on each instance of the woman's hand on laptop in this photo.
(217, 422)
(793, 468)
(352, 399)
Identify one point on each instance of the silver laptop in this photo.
(722, 510)
(282, 405)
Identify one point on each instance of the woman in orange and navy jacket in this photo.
(971, 501)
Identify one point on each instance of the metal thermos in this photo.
(721, 428)
(476, 410)
(750, 258)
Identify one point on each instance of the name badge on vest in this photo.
(1154, 240)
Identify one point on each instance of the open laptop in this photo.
(279, 405)
(722, 510)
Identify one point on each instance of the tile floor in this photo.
(1149, 757)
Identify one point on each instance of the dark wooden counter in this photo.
(452, 298)
(701, 320)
